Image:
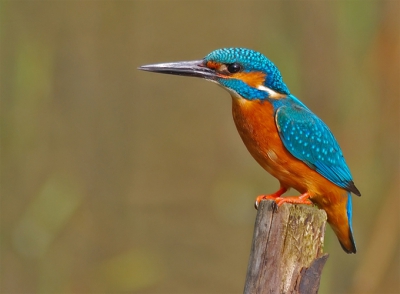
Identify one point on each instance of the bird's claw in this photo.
(258, 201)
(264, 197)
(274, 205)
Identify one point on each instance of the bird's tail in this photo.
(350, 245)
(339, 217)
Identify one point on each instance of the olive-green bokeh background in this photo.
(120, 181)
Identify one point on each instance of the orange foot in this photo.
(273, 196)
(302, 199)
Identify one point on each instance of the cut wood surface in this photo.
(286, 253)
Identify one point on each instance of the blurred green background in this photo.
(120, 181)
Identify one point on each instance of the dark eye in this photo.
(234, 67)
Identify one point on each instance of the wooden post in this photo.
(286, 254)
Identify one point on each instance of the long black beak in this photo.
(194, 68)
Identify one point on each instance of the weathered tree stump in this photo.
(286, 254)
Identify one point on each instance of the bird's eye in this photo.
(234, 67)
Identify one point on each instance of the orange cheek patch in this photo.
(253, 79)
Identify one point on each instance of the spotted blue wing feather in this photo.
(309, 139)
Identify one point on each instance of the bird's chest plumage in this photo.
(256, 125)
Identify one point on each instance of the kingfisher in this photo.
(281, 133)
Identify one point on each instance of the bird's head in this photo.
(243, 72)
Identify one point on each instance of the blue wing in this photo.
(309, 139)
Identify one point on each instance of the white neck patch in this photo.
(271, 93)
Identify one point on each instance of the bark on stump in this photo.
(286, 253)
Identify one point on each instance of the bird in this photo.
(281, 133)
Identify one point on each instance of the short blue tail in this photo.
(349, 209)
